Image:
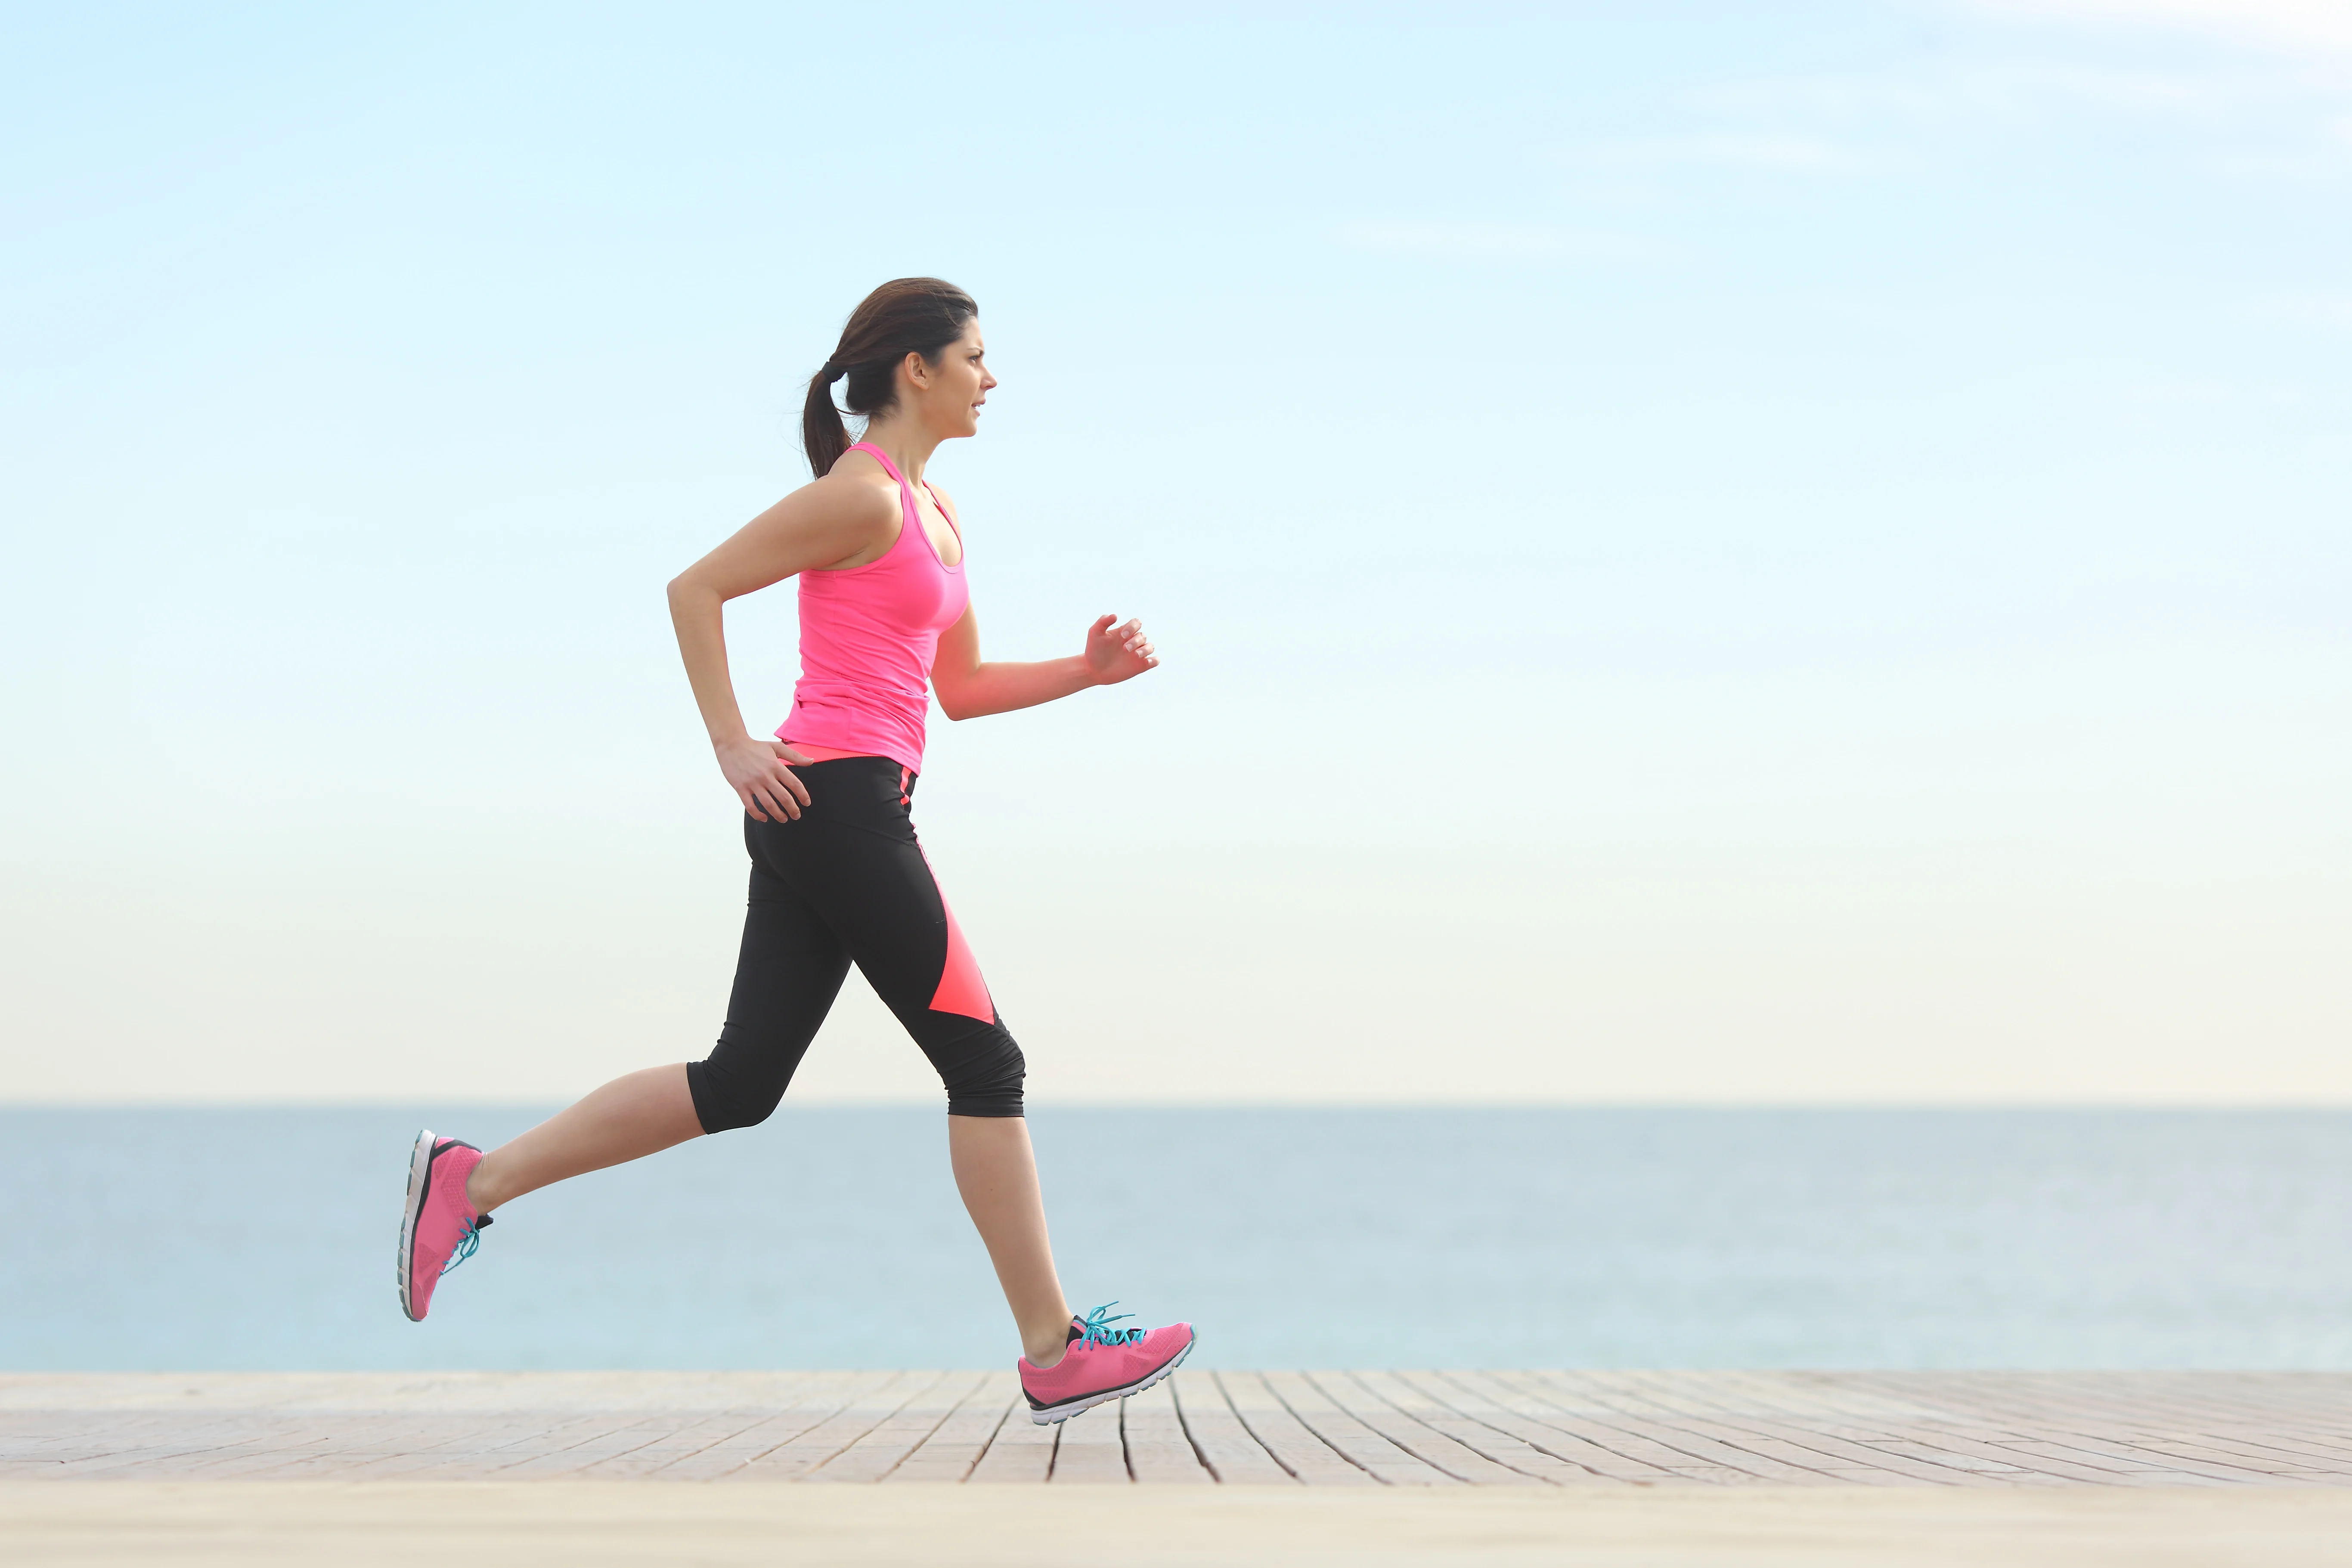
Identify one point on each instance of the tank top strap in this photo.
(906, 496)
(942, 508)
(879, 456)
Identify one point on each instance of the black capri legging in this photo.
(849, 882)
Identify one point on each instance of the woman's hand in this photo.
(1118, 653)
(755, 770)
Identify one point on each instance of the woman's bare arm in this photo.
(968, 688)
(831, 522)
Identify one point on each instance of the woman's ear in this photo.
(918, 371)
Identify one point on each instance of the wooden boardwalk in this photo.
(1277, 1429)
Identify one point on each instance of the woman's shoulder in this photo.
(858, 490)
(839, 520)
(860, 469)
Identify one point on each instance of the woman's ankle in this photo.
(478, 1188)
(1046, 1344)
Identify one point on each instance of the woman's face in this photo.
(948, 396)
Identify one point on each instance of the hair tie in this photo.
(833, 370)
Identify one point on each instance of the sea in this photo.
(262, 1238)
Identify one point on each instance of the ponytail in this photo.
(822, 435)
(904, 316)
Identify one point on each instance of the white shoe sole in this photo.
(420, 1169)
(1063, 1412)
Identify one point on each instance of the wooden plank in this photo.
(1808, 1457)
(819, 1402)
(1158, 1451)
(1361, 1428)
(254, 1440)
(545, 1447)
(2107, 1399)
(1814, 1421)
(1233, 1455)
(1846, 1457)
(157, 1446)
(1910, 1451)
(2108, 1451)
(464, 1449)
(1948, 1397)
(505, 1448)
(955, 1445)
(1985, 1444)
(65, 1436)
(1323, 1415)
(1616, 1404)
(677, 1437)
(2220, 1451)
(2263, 1397)
(2161, 1400)
(625, 1433)
(1022, 1452)
(2153, 1437)
(2321, 1450)
(2115, 1400)
(2076, 1455)
(1357, 1394)
(2289, 1448)
(1921, 1447)
(221, 1444)
(416, 1438)
(363, 1441)
(118, 1429)
(1293, 1445)
(1791, 1399)
(1481, 1401)
(258, 1442)
(1433, 1403)
(311, 1446)
(2124, 1446)
(1991, 1399)
(1091, 1452)
(1714, 1408)
(1575, 1438)
(866, 1410)
(879, 1451)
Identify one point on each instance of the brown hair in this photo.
(904, 316)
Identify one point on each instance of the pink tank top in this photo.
(868, 635)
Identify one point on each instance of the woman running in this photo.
(837, 874)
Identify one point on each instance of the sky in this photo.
(1701, 552)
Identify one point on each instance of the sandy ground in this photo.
(583, 1524)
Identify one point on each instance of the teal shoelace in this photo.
(472, 1239)
(1098, 1330)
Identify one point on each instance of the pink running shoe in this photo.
(1102, 1363)
(438, 1228)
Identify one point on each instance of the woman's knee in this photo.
(722, 1103)
(985, 1077)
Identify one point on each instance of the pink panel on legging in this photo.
(961, 990)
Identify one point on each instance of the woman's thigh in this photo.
(874, 888)
(787, 973)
